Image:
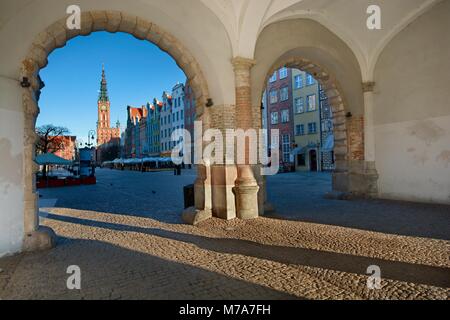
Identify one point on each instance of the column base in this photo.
(360, 180)
(43, 238)
(246, 202)
(194, 216)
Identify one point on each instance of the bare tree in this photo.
(50, 139)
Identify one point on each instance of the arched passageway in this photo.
(56, 36)
(333, 64)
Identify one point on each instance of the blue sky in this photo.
(136, 72)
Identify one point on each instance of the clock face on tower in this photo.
(103, 108)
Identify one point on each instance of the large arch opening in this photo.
(56, 36)
(313, 50)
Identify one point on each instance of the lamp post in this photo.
(91, 136)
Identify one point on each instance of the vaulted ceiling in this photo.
(231, 27)
(245, 19)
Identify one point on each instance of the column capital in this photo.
(241, 62)
(368, 86)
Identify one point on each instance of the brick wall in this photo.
(355, 136)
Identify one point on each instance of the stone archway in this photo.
(56, 36)
(348, 129)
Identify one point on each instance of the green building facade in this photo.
(307, 122)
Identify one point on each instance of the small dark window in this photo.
(301, 160)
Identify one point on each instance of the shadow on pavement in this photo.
(395, 270)
(113, 272)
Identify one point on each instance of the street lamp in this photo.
(91, 136)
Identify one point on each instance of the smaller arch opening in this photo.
(303, 102)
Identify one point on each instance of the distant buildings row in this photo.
(150, 127)
(294, 103)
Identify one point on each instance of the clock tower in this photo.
(105, 134)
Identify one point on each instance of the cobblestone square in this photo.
(126, 235)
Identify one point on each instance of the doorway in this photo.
(313, 160)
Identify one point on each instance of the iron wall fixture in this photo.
(209, 102)
(25, 83)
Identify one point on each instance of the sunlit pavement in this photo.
(126, 235)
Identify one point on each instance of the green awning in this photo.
(50, 158)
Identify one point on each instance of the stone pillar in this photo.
(369, 135)
(36, 237)
(202, 209)
(369, 141)
(246, 187)
(362, 175)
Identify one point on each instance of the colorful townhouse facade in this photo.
(279, 114)
(166, 124)
(294, 103)
(154, 131)
(67, 148)
(189, 115)
(150, 127)
(178, 107)
(307, 142)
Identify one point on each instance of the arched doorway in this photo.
(311, 131)
(55, 36)
(313, 160)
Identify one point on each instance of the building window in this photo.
(284, 93)
(312, 128)
(274, 118)
(301, 161)
(285, 116)
(283, 73)
(273, 78)
(311, 102)
(299, 105)
(273, 96)
(309, 80)
(300, 130)
(286, 147)
(298, 81)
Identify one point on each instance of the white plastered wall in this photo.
(11, 186)
(412, 111)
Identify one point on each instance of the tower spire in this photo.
(103, 96)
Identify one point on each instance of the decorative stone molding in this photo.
(368, 86)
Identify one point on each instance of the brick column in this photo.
(246, 187)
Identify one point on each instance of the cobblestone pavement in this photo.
(129, 243)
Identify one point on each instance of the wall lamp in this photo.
(25, 83)
(209, 102)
